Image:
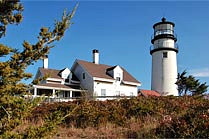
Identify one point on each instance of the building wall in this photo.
(118, 71)
(65, 73)
(114, 89)
(164, 70)
(86, 83)
(94, 88)
(166, 42)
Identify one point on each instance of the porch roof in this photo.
(58, 87)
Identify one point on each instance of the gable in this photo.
(64, 73)
(100, 71)
(115, 72)
(118, 73)
(38, 74)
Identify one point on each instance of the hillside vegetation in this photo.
(126, 118)
(170, 117)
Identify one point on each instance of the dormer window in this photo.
(117, 78)
(64, 73)
(67, 80)
(116, 72)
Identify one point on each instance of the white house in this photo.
(98, 81)
(59, 85)
(104, 81)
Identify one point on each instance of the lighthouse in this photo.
(164, 61)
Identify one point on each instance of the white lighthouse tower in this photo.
(164, 63)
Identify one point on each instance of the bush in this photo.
(154, 117)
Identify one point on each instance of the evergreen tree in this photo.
(188, 85)
(14, 108)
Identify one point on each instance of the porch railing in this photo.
(66, 99)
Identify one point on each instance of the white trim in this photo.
(73, 81)
(54, 79)
(71, 94)
(56, 88)
(35, 91)
(131, 83)
(103, 79)
(51, 82)
(53, 93)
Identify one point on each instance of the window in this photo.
(84, 76)
(122, 94)
(67, 80)
(165, 54)
(164, 31)
(117, 93)
(65, 76)
(103, 92)
(76, 94)
(118, 78)
(66, 94)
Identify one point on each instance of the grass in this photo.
(155, 117)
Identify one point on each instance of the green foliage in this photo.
(46, 130)
(188, 85)
(193, 124)
(10, 13)
(13, 106)
(157, 117)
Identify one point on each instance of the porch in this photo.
(56, 92)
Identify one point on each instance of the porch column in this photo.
(71, 94)
(53, 93)
(35, 92)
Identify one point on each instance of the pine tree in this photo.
(188, 85)
(14, 108)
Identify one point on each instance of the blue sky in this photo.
(121, 31)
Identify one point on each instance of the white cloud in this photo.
(204, 72)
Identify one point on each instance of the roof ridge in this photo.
(100, 70)
(49, 69)
(95, 64)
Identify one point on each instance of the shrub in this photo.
(160, 117)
